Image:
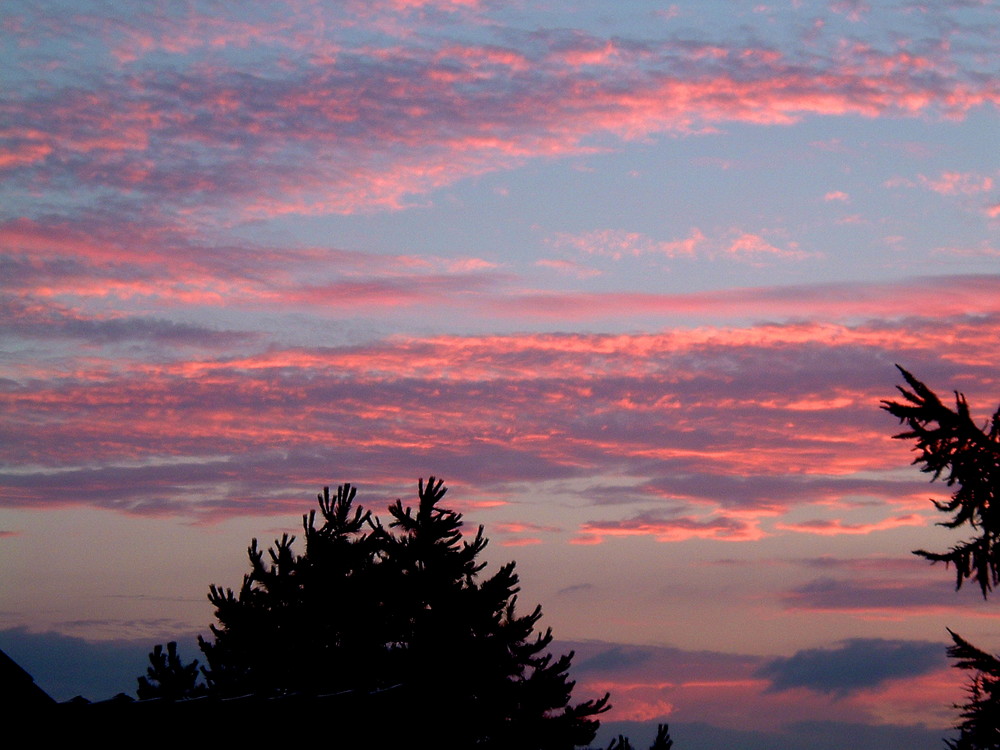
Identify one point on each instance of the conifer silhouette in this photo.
(661, 742)
(980, 725)
(369, 608)
(168, 677)
(952, 447)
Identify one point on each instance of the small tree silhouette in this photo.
(967, 457)
(369, 608)
(661, 742)
(167, 677)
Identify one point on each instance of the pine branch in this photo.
(952, 448)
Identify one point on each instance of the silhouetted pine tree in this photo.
(980, 725)
(309, 623)
(620, 743)
(168, 677)
(503, 684)
(368, 607)
(951, 446)
(661, 742)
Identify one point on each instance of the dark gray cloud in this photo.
(606, 661)
(575, 589)
(44, 321)
(857, 664)
(64, 666)
(829, 593)
(880, 563)
(614, 659)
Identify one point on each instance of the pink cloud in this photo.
(958, 183)
(568, 267)
(853, 9)
(673, 529)
(522, 528)
(984, 250)
(838, 527)
(145, 260)
(748, 245)
(616, 244)
(439, 3)
(100, 259)
(833, 300)
(218, 419)
(619, 244)
(520, 541)
(224, 426)
(442, 114)
(24, 154)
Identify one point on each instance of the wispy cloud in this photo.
(671, 529)
(955, 183)
(889, 598)
(616, 244)
(671, 410)
(838, 300)
(837, 527)
(184, 136)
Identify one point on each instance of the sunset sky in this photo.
(631, 276)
